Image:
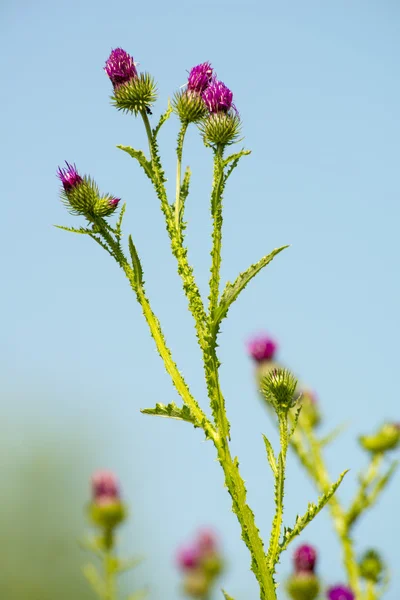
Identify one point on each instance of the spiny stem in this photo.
(279, 488)
(179, 151)
(216, 211)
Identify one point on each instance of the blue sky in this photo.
(318, 91)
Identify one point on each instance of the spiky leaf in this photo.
(137, 265)
(232, 290)
(164, 117)
(270, 455)
(310, 514)
(227, 596)
(141, 158)
(172, 411)
(94, 578)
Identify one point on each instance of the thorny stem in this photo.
(216, 211)
(279, 491)
(179, 151)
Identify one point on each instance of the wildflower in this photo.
(133, 92)
(262, 348)
(188, 557)
(106, 509)
(303, 586)
(69, 177)
(218, 97)
(278, 387)
(120, 67)
(200, 78)
(105, 487)
(340, 592)
(201, 563)
(305, 558)
(371, 566)
(386, 438)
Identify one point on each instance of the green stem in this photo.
(321, 477)
(361, 502)
(216, 211)
(370, 591)
(279, 492)
(109, 573)
(179, 151)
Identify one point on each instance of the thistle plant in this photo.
(206, 103)
(367, 578)
(201, 563)
(106, 513)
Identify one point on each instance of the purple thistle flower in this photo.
(114, 202)
(120, 67)
(188, 557)
(206, 541)
(200, 77)
(218, 97)
(305, 558)
(340, 592)
(105, 488)
(262, 348)
(69, 176)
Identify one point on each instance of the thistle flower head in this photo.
(278, 387)
(218, 97)
(69, 177)
(371, 566)
(262, 348)
(120, 67)
(105, 487)
(305, 558)
(188, 557)
(303, 585)
(340, 592)
(386, 438)
(207, 540)
(114, 202)
(200, 77)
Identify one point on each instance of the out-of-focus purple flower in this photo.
(305, 558)
(114, 201)
(207, 541)
(188, 557)
(105, 488)
(262, 348)
(120, 67)
(340, 592)
(69, 177)
(200, 77)
(218, 97)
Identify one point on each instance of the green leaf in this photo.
(233, 161)
(311, 513)
(327, 439)
(94, 578)
(128, 564)
(295, 421)
(141, 158)
(232, 290)
(164, 117)
(270, 455)
(136, 264)
(119, 222)
(184, 191)
(81, 230)
(227, 596)
(172, 411)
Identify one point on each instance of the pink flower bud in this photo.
(262, 348)
(105, 487)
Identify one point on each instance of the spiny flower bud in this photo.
(81, 195)
(188, 557)
(106, 509)
(303, 586)
(340, 592)
(133, 92)
(222, 126)
(262, 348)
(200, 78)
(278, 387)
(371, 566)
(304, 558)
(196, 584)
(386, 438)
(189, 106)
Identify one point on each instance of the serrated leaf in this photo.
(141, 158)
(235, 156)
(227, 596)
(164, 117)
(171, 411)
(81, 230)
(94, 578)
(119, 222)
(310, 514)
(295, 421)
(270, 455)
(232, 290)
(136, 264)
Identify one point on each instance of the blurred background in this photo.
(318, 91)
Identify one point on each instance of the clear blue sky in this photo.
(318, 91)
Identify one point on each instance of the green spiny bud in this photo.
(371, 566)
(136, 95)
(196, 583)
(386, 438)
(279, 386)
(189, 106)
(107, 515)
(221, 128)
(303, 586)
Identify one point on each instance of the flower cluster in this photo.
(81, 195)
(304, 583)
(201, 563)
